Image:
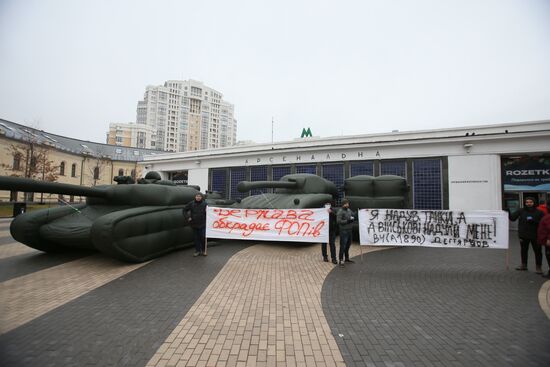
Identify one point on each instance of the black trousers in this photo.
(199, 236)
(524, 242)
(345, 244)
(547, 252)
(332, 243)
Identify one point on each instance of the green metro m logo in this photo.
(306, 133)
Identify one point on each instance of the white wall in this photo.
(198, 176)
(475, 182)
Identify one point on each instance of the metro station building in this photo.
(470, 168)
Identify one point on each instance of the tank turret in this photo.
(131, 222)
(301, 190)
(381, 192)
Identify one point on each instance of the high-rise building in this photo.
(132, 135)
(187, 115)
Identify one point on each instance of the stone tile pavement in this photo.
(439, 307)
(263, 309)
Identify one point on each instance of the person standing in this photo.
(332, 227)
(195, 212)
(345, 219)
(543, 207)
(543, 236)
(529, 219)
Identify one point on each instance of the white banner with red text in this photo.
(434, 228)
(300, 225)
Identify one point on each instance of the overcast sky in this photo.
(339, 67)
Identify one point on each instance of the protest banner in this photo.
(434, 228)
(295, 225)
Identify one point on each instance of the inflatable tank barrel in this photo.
(133, 195)
(29, 185)
(245, 186)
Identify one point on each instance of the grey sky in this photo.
(339, 67)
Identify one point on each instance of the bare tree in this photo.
(98, 163)
(31, 160)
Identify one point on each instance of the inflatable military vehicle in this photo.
(381, 192)
(130, 222)
(301, 190)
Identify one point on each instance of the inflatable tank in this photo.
(381, 192)
(301, 190)
(130, 222)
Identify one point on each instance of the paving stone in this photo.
(120, 323)
(435, 307)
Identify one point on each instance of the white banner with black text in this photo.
(434, 228)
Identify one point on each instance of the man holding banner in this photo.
(345, 220)
(195, 213)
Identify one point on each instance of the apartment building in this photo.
(131, 135)
(187, 115)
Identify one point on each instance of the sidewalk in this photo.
(271, 304)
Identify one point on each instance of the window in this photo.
(73, 170)
(121, 172)
(310, 168)
(397, 168)
(118, 151)
(17, 162)
(62, 169)
(96, 173)
(361, 168)
(335, 173)
(427, 187)
(258, 173)
(280, 171)
(219, 178)
(236, 174)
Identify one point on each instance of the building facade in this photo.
(458, 168)
(131, 135)
(187, 115)
(32, 153)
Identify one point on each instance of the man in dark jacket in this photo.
(529, 219)
(332, 228)
(195, 212)
(345, 218)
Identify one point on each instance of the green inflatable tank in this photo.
(301, 190)
(382, 192)
(130, 222)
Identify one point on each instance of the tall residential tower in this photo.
(187, 115)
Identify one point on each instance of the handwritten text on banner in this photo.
(301, 225)
(434, 228)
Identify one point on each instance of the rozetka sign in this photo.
(300, 225)
(434, 228)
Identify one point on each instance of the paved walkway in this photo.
(438, 307)
(270, 304)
